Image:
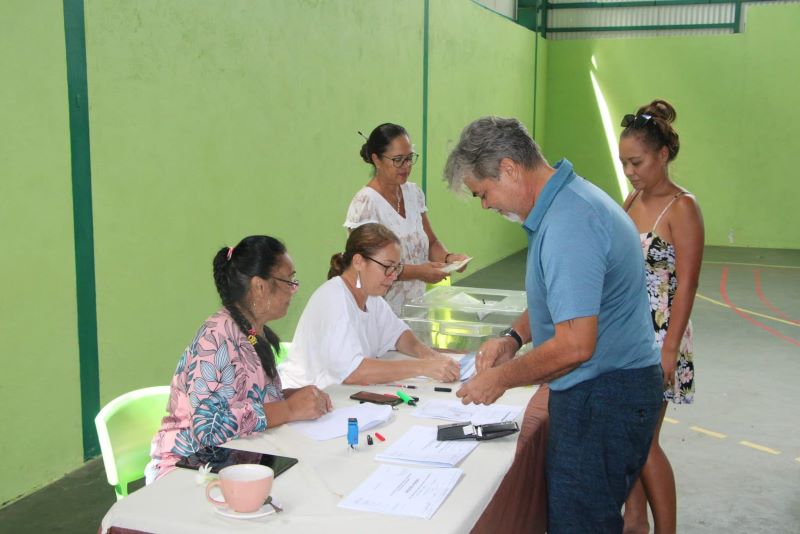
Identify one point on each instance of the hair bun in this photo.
(364, 154)
(661, 109)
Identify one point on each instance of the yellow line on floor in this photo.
(758, 447)
(752, 264)
(749, 312)
(671, 420)
(708, 432)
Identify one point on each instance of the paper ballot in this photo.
(334, 424)
(450, 267)
(419, 445)
(467, 366)
(477, 414)
(408, 491)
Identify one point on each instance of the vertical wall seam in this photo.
(425, 37)
(535, 77)
(80, 155)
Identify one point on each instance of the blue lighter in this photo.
(352, 432)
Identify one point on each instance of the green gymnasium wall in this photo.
(735, 96)
(209, 122)
(480, 64)
(218, 120)
(213, 121)
(40, 386)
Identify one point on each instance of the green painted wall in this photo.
(213, 121)
(480, 64)
(734, 95)
(40, 384)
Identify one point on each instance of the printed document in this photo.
(408, 491)
(419, 445)
(477, 414)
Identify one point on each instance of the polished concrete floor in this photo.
(735, 451)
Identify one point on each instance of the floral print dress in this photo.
(217, 393)
(369, 206)
(659, 256)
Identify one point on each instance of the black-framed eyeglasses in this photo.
(636, 121)
(399, 161)
(293, 284)
(389, 270)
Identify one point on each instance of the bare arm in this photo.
(300, 404)
(688, 235)
(427, 362)
(573, 343)
(436, 249)
(499, 350)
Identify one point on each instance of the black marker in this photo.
(444, 390)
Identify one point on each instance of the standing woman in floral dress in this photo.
(671, 228)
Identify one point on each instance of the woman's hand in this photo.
(494, 352)
(442, 368)
(452, 257)
(669, 359)
(431, 272)
(308, 402)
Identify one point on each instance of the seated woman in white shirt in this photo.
(347, 326)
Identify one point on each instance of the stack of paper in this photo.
(397, 490)
(334, 424)
(419, 445)
(477, 414)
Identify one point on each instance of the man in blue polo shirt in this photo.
(588, 318)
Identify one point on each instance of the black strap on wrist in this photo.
(510, 332)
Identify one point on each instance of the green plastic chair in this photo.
(281, 356)
(125, 428)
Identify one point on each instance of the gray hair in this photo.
(483, 144)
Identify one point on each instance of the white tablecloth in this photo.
(327, 471)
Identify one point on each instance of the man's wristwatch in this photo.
(510, 332)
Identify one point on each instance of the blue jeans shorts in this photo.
(599, 437)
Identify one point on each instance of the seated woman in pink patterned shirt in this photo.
(226, 384)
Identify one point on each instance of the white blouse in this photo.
(334, 336)
(369, 206)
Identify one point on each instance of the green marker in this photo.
(405, 398)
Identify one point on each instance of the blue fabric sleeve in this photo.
(574, 258)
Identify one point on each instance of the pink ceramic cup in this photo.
(244, 487)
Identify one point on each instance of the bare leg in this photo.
(659, 487)
(659, 484)
(636, 510)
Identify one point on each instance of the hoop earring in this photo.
(358, 280)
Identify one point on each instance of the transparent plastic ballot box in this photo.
(461, 318)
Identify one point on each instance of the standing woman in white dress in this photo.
(390, 199)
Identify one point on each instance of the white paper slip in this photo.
(467, 364)
(334, 424)
(419, 445)
(450, 267)
(408, 491)
(477, 414)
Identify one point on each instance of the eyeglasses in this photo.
(293, 284)
(636, 121)
(389, 270)
(399, 161)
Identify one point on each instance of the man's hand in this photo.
(494, 352)
(483, 388)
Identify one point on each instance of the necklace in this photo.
(399, 197)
